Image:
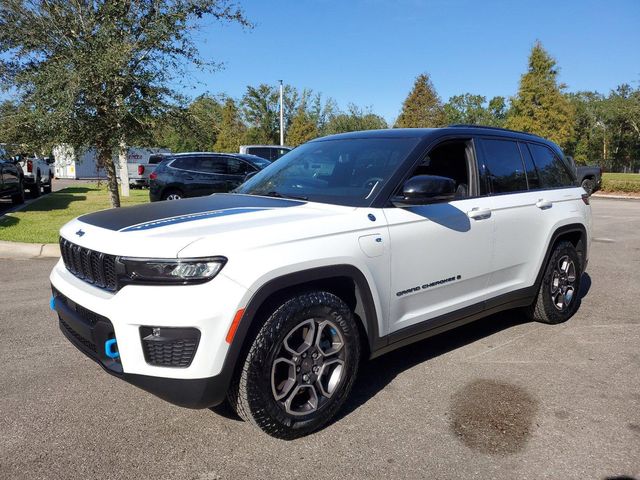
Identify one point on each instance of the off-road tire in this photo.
(543, 309)
(251, 394)
(589, 185)
(18, 198)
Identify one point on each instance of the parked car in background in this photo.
(269, 152)
(198, 174)
(38, 174)
(141, 164)
(11, 178)
(588, 177)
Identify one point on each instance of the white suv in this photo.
(349, 247)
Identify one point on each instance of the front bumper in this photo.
(119, 316)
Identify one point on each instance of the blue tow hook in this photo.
(110, 348)
(52, 303)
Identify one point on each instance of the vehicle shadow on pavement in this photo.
(376, 374)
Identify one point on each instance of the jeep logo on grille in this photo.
(80, 233)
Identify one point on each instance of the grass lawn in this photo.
(40, 221)
(621, 182)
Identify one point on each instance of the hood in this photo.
(225, 222)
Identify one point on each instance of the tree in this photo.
(261, 108)
(98, 73)
(302, 129)
(540, 106)
(422, 107)
(232, 129)
(470, 109)
(355, 119)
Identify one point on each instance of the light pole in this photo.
(281, 114)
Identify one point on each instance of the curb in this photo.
(616, 197)
(29, 250)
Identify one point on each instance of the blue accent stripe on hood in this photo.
(190, 218)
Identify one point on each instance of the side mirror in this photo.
(425, 189)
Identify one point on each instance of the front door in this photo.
(441, 253)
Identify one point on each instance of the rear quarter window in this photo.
(551, 170)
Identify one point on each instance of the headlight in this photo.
(169, 271)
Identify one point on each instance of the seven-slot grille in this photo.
(93, 267)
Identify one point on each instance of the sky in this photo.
(369, 52)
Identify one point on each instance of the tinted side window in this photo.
(260, 152)
(215, 165)
(553, 173)
(504, 166)
(186, 163)
(238, 167)
(530, 168)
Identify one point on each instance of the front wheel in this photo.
(300, 367)
(18, 198)
(558, 298)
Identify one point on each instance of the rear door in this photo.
(211, 175)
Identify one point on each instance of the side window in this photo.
(504, 166)
(530, 168)
(237, 167)
(553, 173)
(212, 165)
(449, 159)
(185, 163)
(260, 152)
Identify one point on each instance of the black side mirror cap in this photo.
(425, 189)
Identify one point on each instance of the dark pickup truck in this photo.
(11, 178)
(589, 177)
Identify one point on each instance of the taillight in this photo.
(585, 198)
(29, 166)
(140, 169)
(153, 176)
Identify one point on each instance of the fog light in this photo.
(168, 346)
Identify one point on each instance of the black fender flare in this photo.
(559, 232)
(364, 299)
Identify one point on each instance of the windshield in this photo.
(343, 171)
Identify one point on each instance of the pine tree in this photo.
(302, 128)
(540, 106)
(422, 107)
(232, 129)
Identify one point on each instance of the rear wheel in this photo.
(589, 185)
(47, 187)
(558, 297)
(300, 368)
(35, 188)
(172, 195)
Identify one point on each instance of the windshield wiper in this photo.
(280, 195)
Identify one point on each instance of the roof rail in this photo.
(469, 125)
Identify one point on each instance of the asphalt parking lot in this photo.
(497, 399)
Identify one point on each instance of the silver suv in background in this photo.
(269, 152)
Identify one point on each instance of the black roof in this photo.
(425, 133)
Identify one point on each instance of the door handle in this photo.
(544, 204)
(479, 213)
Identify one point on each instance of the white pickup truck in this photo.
(38, 174)
(140, 164)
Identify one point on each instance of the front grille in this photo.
(93, 267)
(173, 347)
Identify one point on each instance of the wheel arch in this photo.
(576, 233)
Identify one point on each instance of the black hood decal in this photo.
(159, 214)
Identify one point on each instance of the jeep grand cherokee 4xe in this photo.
(348, 247)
